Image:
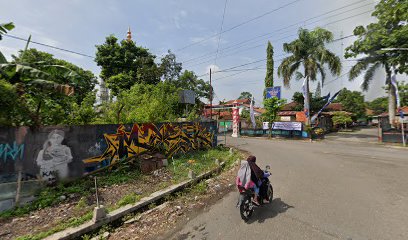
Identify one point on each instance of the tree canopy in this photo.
(188, 80)
(272, 107)
(316, 103)
(341, 118)
(378, 105)
(379, 42)
(169, 68)
(125, 64)
(144, 103)
(309, 51)
(245, 95)
(353, 102)
(83, 81)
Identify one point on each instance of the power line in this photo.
(238, 25)
(286, 27)
(260, 45)
(260, 60)
(50, 46)
(219, 36)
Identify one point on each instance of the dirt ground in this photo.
(163, 220)
(49, 217)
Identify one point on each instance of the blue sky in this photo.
(79, 25)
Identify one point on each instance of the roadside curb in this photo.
(76, 232)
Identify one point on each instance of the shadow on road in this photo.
(269, 211)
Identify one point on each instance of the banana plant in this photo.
(4, 28)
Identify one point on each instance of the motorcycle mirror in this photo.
(267, 167)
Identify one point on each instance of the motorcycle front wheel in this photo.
(270, 193)
(246, 209)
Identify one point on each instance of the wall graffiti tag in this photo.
(11, 151)
(170, 137)
(54, 157)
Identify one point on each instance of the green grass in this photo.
(128, 199)
(200, 188)
(204, 161)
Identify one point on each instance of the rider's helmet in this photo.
(251, 158)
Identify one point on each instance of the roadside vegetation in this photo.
(125, 174)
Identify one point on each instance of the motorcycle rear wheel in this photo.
(245, 209)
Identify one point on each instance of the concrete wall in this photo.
(69, 152)
(49, 154)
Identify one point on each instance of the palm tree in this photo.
(309, 50)
(370, 64)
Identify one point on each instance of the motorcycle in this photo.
(246, 207)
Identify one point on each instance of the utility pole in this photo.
(210, 97)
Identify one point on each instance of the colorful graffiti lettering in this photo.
(170, 137)
(12, 152)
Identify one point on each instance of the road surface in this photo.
(332, 189)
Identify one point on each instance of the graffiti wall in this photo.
(55, 153)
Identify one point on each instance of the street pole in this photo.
(403, 134)
(210, 97)
(402, 128)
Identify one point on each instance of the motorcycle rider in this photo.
(251, 178)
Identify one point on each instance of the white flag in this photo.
(305, 97)
(252, 114)
(394, 83)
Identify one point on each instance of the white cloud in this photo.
(213, 41)
(179, 17)
(214, 68)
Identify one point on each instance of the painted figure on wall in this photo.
(53, 159)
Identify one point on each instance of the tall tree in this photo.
(169, 68)
(188, 80)
(245, 95)
(309, 50)
(125, 64)
(390, 31)
(353, 102)
(269, 67)
(403, 92)
(272, 107)
(378, 105)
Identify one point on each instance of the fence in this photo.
(259, 132)
(393, 135)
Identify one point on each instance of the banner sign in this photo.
(287, 126)
(252, 113)
(273, 92)
(235, 122)
(265, 125)
(187, 96)
(325, 105)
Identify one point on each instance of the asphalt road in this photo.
(333, 189)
